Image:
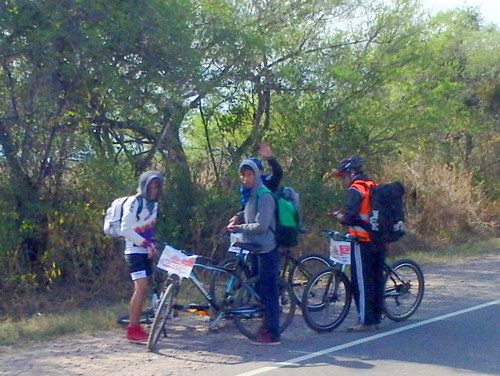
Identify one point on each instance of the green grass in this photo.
(40, 328)
(455, 253)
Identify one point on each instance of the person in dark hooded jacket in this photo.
(367, 256)
(138, 228)
(258, 227)
(271, 181)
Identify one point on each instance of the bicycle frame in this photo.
(233, 279)
(401, 285)
(403, 291)
(196, 280)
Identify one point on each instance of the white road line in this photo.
(364, 340)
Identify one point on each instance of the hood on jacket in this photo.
(145, 179)
(258, 180)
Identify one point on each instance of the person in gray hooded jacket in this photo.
(138, 227)
(258, 226)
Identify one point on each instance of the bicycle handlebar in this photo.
(200, 259)
(342, 236)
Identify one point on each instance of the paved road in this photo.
(455, 332)
(463, 342)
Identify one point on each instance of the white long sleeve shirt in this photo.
(136, 230)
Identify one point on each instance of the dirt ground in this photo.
(190, 348)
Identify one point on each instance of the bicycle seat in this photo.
(251, 247)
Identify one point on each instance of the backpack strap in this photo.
(263, 190)
(259, 193)
(363, 186)
(140, 205)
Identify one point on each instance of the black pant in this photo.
(266, 265)
(367, 276)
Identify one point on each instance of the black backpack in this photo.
(387, 212)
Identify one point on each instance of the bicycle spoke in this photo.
(326, 300)
(404, 289)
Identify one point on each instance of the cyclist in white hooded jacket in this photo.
(138, 228)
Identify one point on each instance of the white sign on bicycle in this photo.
(234, 238)
(176, 262)
(340, 252)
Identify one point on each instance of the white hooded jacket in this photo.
(138, 227)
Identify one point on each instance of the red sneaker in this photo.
(136, 334)
(266, 339)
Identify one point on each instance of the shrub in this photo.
(444, 203)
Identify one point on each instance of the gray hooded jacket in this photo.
(259, 214)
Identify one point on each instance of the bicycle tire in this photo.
(403, 289)
(164, 309)
(146, 317)
(219, 281)
(326, 300)
(302, 270)
(251, 324)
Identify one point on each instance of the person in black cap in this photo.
(367, 257)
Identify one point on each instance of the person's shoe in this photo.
(261, 332)
(362, 328)
(266, 339)
(136, 334)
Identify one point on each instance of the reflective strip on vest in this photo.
(363, 187)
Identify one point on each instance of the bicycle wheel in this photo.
(147, 317)
(302, 270)
(404, 289)
(250, 323)
(326, 300)
(164, 309)
(223, 284)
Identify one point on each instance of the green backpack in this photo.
(287, 220)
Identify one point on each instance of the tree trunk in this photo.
(180, 194)
(32, 220)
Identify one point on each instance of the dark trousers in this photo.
(367, 277)
(266, 265)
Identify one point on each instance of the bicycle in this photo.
(241, 303)
(327, 297)
(297, 271)
(147, 315)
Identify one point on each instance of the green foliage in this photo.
(93, 93)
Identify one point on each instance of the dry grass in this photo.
(445, 205)
(458, 253)
(42, 327)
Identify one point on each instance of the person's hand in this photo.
(337, 214)
(233, 228)
(234, 221)
(152, 252)
(265, 150)
(150, 247)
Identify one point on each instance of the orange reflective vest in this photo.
(363, 187)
